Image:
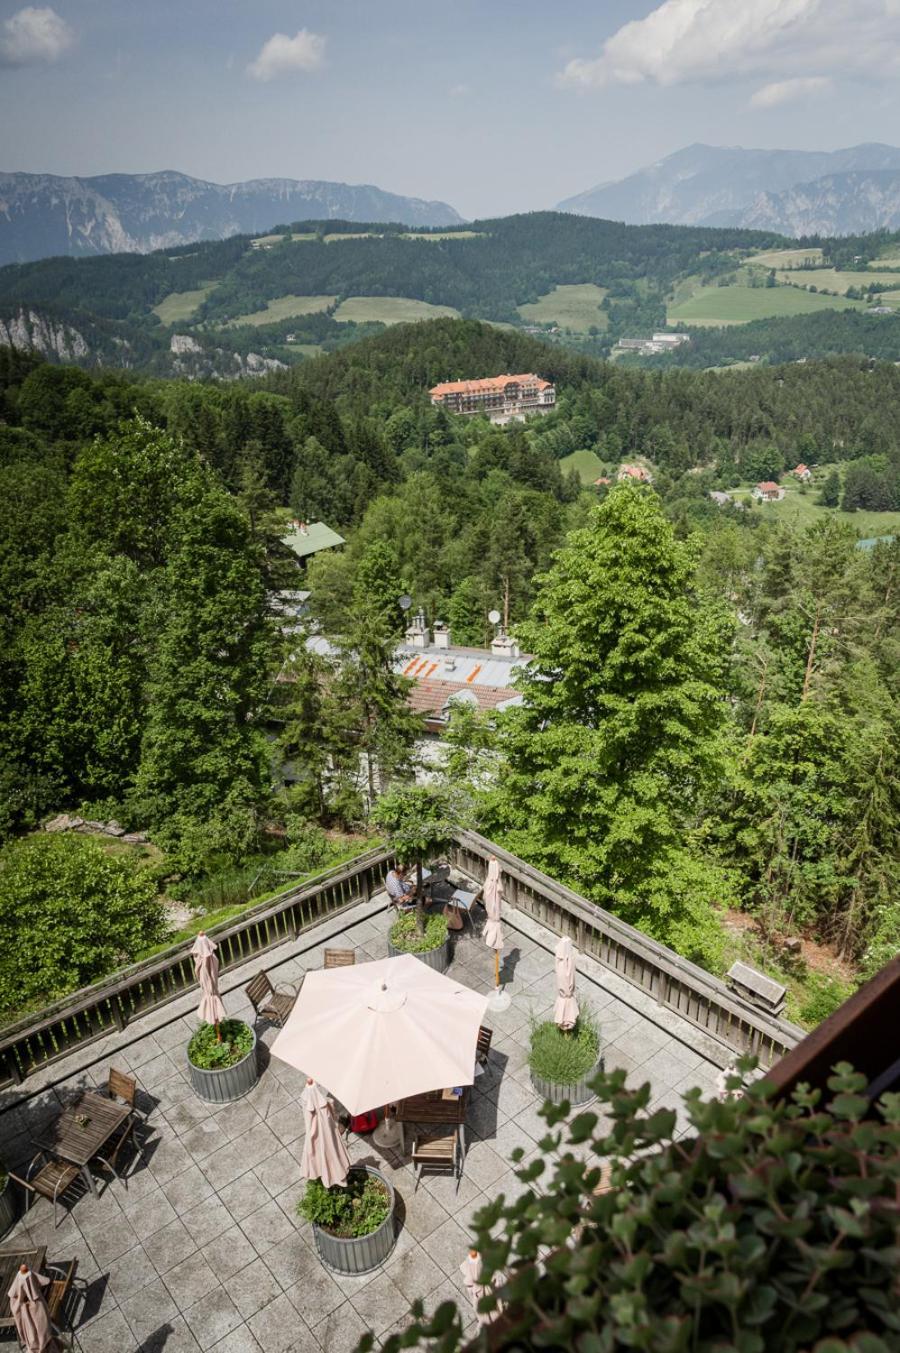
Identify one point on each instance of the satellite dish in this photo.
(405, 602)
(493, 617)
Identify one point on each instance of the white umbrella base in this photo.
(500, 1000)
(388, 1135)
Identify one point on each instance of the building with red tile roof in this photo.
(499, 397)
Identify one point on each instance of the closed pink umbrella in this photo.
(493, 933)
(566, 1012)
(378, 1032)
(206, 967)
(29, 1312)
(324, 1153)
(470, 1269)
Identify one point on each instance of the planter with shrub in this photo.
(563, 1064)
(353, 1223)
(223, 1069)
(432, 946)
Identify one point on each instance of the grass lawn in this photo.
(832, 280)
(571, 307)
(358, 235)
(180, 305)
(717, 306)
(801, 510)
(390, 310)
(587, 463)
(785, 258)
(446, 235)
(285, 307)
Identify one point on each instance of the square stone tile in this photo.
(111, 1240)
(414, 1273)
(266, 1226)
(483, 1165)
(243, 1195)
(229, 1253)
(168, 1247)
(202, 1140)
(173, 1336)
(148, 1309)
(279, 1328)
(150, 1213)
(278, 1172)
(186, 1115)
(187, 1189)
(447, 1246)
(340, 1331)
(287, 1124)
(109, 1333)
(129, 1273)
(315, 1294)
(169, 1157)
(207, 1220)
(213, 1317)
(452, 1194)
(379, 1304)
(423, 1213)
(253, 1287)
(190, 1280)
(240, 1340)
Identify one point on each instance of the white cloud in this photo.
(32, 36)
(282, 55)
(784, 91)
(459, 91)
(685, 41)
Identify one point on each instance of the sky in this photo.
(490, 105)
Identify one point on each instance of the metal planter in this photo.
(439, 958)
(7, 1207)
(577, 1094)
(362, 1254)
(226, 1084)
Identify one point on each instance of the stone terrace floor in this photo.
(203, 1249)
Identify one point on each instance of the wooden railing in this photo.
(675, 983)
(112, 1004)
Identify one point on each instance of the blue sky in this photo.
(492, 106)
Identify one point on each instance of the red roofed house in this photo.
(802, 472)
(500, 397)
(768, 492)
(635, 472)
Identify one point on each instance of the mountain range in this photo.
(794, 192)
(42, 215)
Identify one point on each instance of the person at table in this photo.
(400, 889)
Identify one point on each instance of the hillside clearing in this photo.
(832, 280)
(285, 307)
(389, 310)
(575, 307)
(587, 463)
(720, 306)
(445, 235)
(801, 510)
(786, 258)
(181, 305)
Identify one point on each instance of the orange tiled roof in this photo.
(428, 696)
(487, 384)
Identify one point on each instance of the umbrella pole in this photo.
(218, 1032)
(496, 967)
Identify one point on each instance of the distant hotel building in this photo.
(501, 398)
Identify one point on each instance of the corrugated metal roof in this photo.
(464, 666)
(317, 536)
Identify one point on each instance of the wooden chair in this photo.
(120, 1086)
(62, 1281)
(483, 1046)
(108, 1155)
(437, 1153)
(50, 1178)
(270, 1003)
(340, 958)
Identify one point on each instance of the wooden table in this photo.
(78, 1143)
(432, 1108)
(10, 1260)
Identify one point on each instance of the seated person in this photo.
(400, 890)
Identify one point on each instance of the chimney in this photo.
(441, 634)
(417, 635)
(503, 646)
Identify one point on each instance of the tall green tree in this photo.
(616, 742)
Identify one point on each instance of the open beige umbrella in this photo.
(470, 1269)
(206, 967)
(566, 1012)
(381, 1031)
(324, 1153)
(29, 1312)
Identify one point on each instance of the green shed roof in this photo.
(314, 537)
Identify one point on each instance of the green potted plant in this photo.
(353, 1223)
(420, 821)
(771, 1227)
(563, 1062)
(222, 1063)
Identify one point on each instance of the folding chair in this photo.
(49, 1178)
(270, 1003)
